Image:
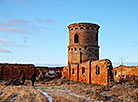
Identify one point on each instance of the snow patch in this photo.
(72, 94)
(80, 96)
(15, 96)
(45, 94)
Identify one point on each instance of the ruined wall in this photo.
(0, 73)
(83, 42)
(43, 71)
(87, 72)
(66, 72)
(11, 71)
(103, 77)
(126, 73)
(74, 72)
(15, 71)
(84, 72)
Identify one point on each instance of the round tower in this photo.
(83, 42)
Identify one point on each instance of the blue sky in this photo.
(35, 31)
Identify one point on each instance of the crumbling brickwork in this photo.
(12, 71)
(44, 71)
(92, 72)
(83, 56)
(83, 42)
(15, 71)
(126, 73)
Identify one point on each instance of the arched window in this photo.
(73, 71)
(83, 70)
(81, 27)
(76, 38)
(96, 37)
(115, 72)
(97, 69)
(92, 28)
(87, 28)
(76, 28)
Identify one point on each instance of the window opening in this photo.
(81, 27)
(83, 70)
(92, 28)
(97, 69)
(76, 38)
(76, 28)
(85, 48)
(73, 71)
(96, 37)
(115, 72)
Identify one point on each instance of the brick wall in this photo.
(87, 46)
(43, 71)
(126, 73)
(102, 78)
(15, 71)
(86, 72)
(74, 71)
(11, 71)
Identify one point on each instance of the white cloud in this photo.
(10, 29)
(14, 45)
(19, 22)
(45, 20)
(3, 41)
(4, 51)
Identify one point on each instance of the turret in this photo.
(83, 42)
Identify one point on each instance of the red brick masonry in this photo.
(12, 71)
(92, 72)
(126, 73)
(83, 58)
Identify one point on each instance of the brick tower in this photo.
(83, 42)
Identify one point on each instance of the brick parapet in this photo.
(85, 25)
